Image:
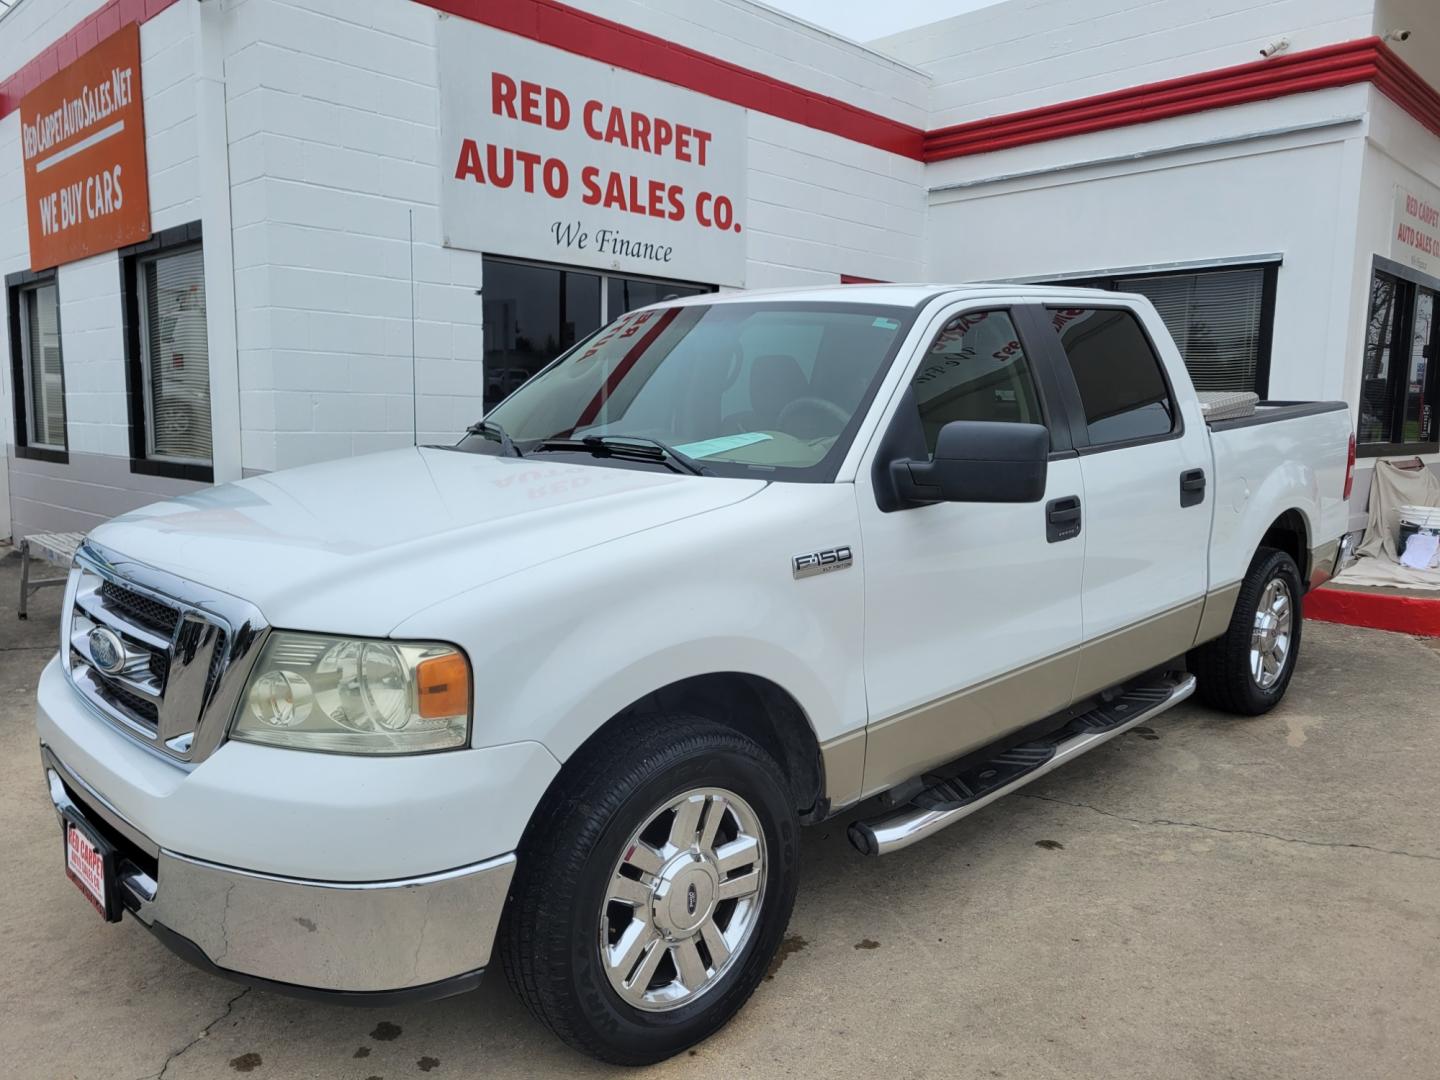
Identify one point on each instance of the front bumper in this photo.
(372, 942)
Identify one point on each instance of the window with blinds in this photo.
(1219, 318)
(1215, 318)
(42, 365)
(174, 356)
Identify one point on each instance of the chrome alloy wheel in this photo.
(683, 899)
(1270, 639)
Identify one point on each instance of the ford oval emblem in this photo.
(107, 651)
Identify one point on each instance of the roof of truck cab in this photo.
(900, 294)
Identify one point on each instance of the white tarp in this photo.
(1379, 564)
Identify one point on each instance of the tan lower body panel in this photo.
(1131, 649)
(843, 760)
(906, 745)
(1215, 619)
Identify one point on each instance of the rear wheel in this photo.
(1248, 668)
(653, 889)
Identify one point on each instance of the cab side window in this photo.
(975, 369)
(1122, 385)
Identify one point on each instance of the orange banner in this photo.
(82, 133)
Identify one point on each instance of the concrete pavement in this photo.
(1204, 897)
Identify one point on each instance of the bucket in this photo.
(1417, 519)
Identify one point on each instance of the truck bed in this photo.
(1270, 412)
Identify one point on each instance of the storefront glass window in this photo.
(1398, 384)
(1375, 376)
(533, 313)
(627, 294)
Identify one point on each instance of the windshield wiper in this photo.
(638, 447)
(491, 430)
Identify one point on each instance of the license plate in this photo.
(86, 865)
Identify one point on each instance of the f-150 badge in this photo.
(822, 562)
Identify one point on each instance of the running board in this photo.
(948, 801)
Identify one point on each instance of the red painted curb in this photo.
(1377, 611)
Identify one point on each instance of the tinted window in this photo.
(532, 315)
(1122, 387)
(627, 294)
(975, 369)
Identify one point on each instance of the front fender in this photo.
(560, 650)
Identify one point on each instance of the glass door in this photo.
(1418, 424)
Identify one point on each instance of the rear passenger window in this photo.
(1122, 386)
(975, 369)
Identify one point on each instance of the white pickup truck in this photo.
(563, 694)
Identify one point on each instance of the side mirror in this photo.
(978, 461)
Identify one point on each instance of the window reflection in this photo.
(534, 313)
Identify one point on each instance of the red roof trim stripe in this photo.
(579, 32)
(75, 42)
(1365, 60)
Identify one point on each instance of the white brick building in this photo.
(324, 271)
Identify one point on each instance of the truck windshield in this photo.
(740, 388)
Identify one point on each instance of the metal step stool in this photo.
(56, 548)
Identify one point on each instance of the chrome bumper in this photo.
(418, 937)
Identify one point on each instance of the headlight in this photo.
(356, 696)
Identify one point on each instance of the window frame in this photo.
(17, 285)
(1109, 281)
(1409, 282)
(1075, 405)
(172, 241)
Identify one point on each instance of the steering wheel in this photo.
(815, 405)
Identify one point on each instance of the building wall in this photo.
(1397, 151)
(1266, 181)
(330, 112)
(1022, 54)
(325, 180)
(96, 483)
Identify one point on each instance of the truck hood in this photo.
(357, 545)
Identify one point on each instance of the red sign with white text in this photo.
(82, 134)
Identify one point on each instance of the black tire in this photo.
(1222, 668)
(548, 941)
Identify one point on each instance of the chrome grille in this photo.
(182, 657)
(142, 609)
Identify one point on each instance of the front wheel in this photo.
(1248, 668)
(653, 889)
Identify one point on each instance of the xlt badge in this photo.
(822, 562)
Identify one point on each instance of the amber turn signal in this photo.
(442, 686)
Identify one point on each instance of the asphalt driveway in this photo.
(1205, 897)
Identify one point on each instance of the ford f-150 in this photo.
(559, 697)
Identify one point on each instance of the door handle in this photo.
(1192, 487)
(1062, 519)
